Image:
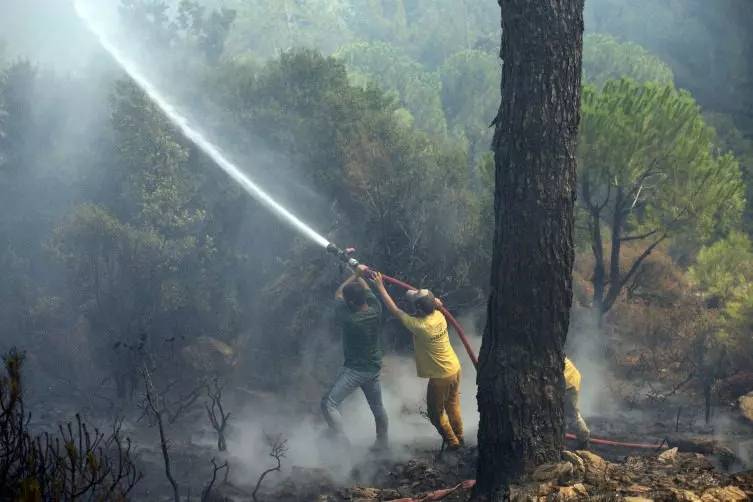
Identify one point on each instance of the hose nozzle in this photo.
(344, 256)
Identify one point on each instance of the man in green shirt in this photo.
(359, 314)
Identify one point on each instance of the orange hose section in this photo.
(439, 494)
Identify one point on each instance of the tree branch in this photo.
(638, 237)
(615, 290)
(278, 447)
(157, 411)
(215, 469)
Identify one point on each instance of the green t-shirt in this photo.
(362, 345)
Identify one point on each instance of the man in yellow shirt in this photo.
(572, 413)
(435, 360)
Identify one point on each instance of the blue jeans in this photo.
(347, 381)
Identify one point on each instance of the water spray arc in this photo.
(188, 130)
(211, 150)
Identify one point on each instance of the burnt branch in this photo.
(183, 404)
(215, 469)
(217, 415)
(77, 462)
(278, 447)
(154, 406)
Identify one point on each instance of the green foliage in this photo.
(470, 95)
(604, 59)
(730, 139)
(144, 264)
(156, 162)
(150, 19)
(723, 273)
(724, 269)
(648, 170)
(460, 96)
(355, 145)
(349, 142)
(391, 133)
(188, 29)
(418, 90)
(739, 311)
(208, 32)
(112, 266)
(649, 142)
(430, 30)
(267, 28)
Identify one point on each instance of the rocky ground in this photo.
(671, 475)
(696, 462)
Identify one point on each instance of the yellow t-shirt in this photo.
(572, 376)
(435, 357)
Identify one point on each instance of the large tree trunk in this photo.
(520, 379)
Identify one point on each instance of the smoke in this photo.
(586, 349)
(298, 418)
(404, 396)
(46, 32)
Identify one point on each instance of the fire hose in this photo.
(353, 263)
(346, 256)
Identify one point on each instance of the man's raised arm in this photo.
(386, 298)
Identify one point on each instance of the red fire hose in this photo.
(638, 446)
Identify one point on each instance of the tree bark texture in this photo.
(520, 378)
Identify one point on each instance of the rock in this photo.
(725, 494)
(575, 491)
(592, 461)
(561, 471)
(668, 457)
(364, 494)
(596, 467)
(637, 499)
(530, 492)
(684, 495)
(578, 464)
(637, 489)
(545, 489)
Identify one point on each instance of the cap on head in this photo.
(423, 299)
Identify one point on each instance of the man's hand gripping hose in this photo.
(346, 256)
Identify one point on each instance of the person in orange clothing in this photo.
(435, 360)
